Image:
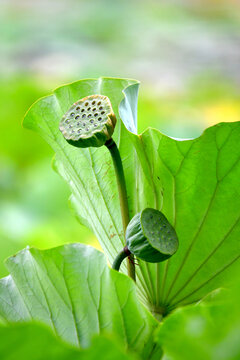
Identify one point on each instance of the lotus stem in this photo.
(120, 257)
(122, 191)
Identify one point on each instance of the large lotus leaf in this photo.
(31, 341)
(209, 330)
(89, 172)
(195, 183)
(71, 289)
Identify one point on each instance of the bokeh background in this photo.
(185, 53)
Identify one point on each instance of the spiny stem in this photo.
(122, 191)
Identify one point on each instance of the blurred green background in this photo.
(185, 53)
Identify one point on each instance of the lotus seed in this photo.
(99, 119)
(67, 121)
(83, 116)
(100, 108)
(77, 117)
(94, 109)
(99, 103)
(82, 110)
(72, 114)
(94, 102)
(78, 108)
(79, 131)
(91, 121)
(89, 115)
(103, 112)
(95, 125)
(86, 103)
(89, 109)
(96, 114)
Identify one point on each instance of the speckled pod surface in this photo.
(151, 237)
(89, 122)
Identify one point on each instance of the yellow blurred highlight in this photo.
(93, 242)
(224, 111)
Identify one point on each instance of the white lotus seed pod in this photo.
(89, 122)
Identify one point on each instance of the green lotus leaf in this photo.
(32, 341)
(208, 330)
(73, 291)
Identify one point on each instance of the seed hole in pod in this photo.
(82, 110)
(96, 114)
(78, 123)
(73, 131)
(100, 107)
(78, 108)
(87, 128)
(83, 116)
(89, 115)
(70, 126)
(86, 103)
(102, 112)
(83, 124)
(72, 114)
(99, 103)
(94, 102)
(77, 117)
(95, 125)
(88, 109)
(79, 131)
(99, 119)
(67, 121)
(91, 121)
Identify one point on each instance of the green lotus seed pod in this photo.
(89, 122)
(150, 237)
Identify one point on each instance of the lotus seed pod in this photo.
(150, 237)
(89, 122)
